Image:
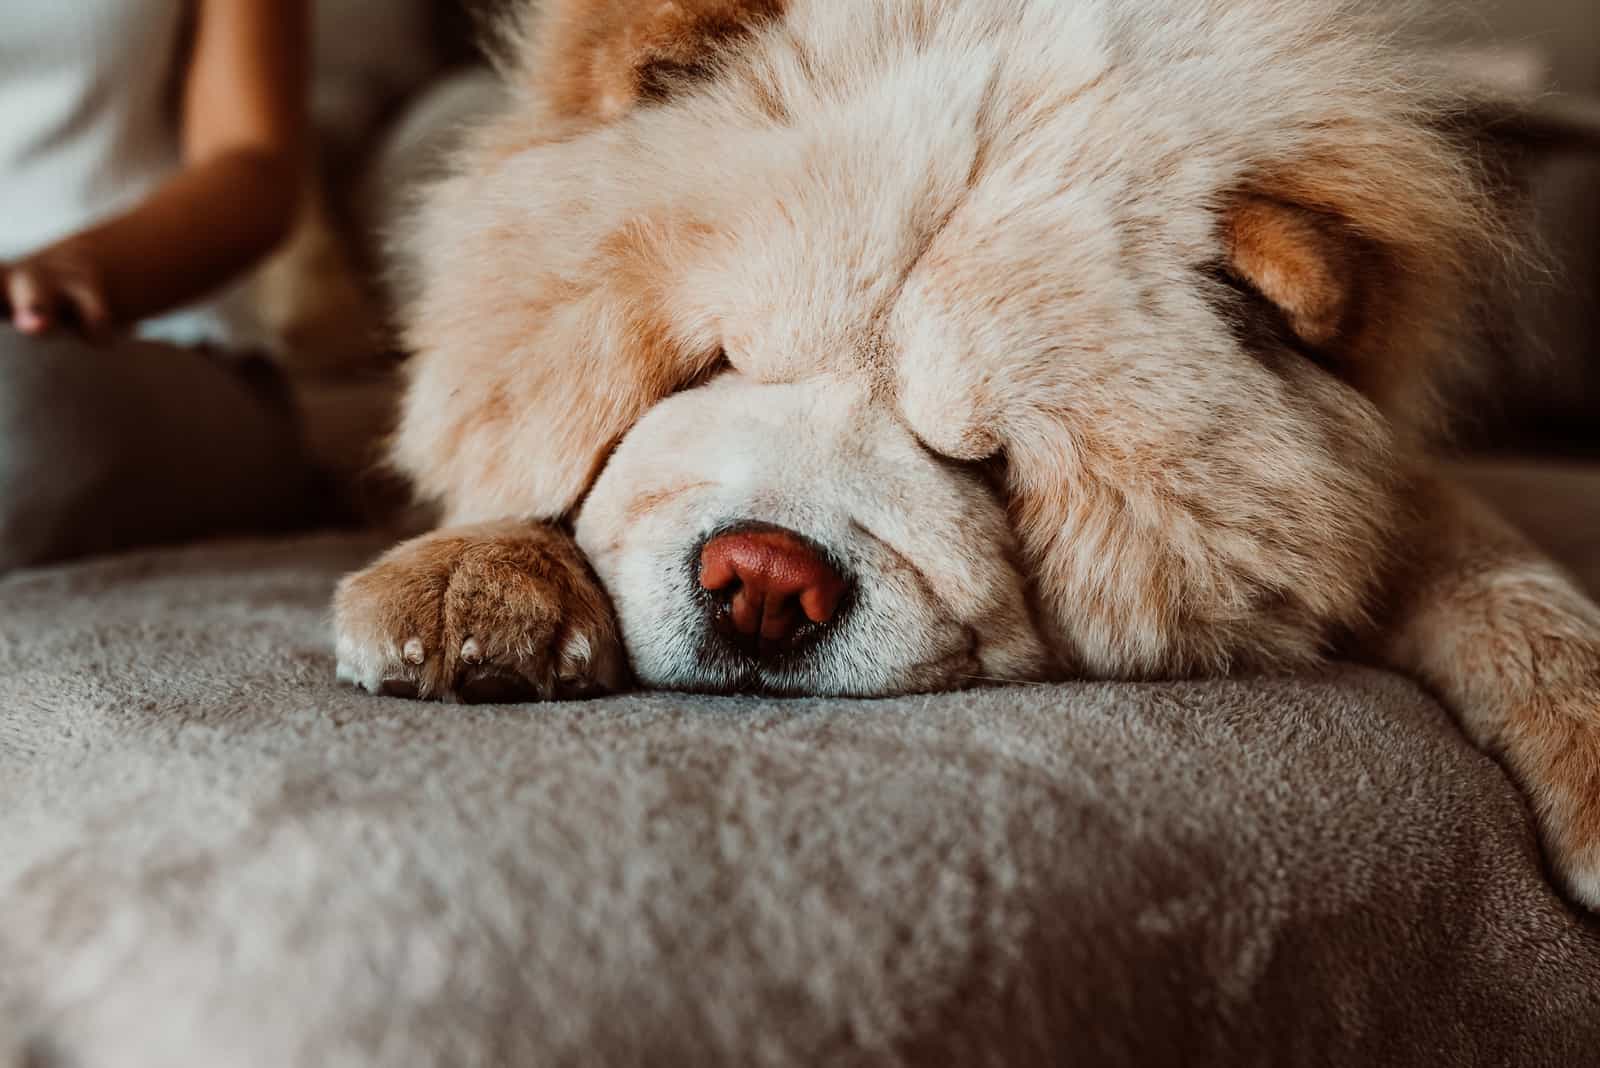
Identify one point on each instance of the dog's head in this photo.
(892, 344)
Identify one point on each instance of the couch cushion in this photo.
(209, 854)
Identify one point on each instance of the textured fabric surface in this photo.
(209, 855)
(137, 443)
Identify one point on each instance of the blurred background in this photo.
(1547, 393)
(397, 78)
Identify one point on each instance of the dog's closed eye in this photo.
(1259, 325)
(992, 470)
(710, 368)
(657, 80)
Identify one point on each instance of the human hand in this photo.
(57, 287)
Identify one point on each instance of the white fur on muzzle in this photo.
(935, 599)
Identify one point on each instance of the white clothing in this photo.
(88, 107)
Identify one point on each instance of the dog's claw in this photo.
(576, 653)
(414, 652)
(471, 652)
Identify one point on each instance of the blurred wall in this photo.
(1567, 31)
(1550, 395)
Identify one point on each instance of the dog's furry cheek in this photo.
(1168, 560)
(527, 368)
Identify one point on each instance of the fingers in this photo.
(39, 301)
(86, 304)
(31, 300)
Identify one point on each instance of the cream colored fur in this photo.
(1188, 280)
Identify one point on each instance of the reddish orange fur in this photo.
(588, 55)
(1297, 261)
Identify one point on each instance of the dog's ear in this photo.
(1387, 257)
(1303, 265)
(594, 60)
(1369, 292)
(1371, 250)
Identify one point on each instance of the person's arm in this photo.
(233, 200)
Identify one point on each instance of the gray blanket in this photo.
(209, 855)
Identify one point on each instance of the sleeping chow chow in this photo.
(860, 347)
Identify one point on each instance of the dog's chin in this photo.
(683, 654)
(921, 548)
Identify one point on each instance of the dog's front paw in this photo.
(1555, 748)
(1577, 869)
(497, 613)
(1572, 843)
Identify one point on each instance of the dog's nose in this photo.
(770, 583)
